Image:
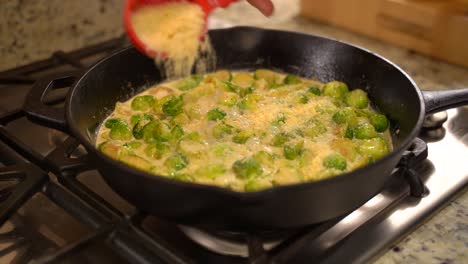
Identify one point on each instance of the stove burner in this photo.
(226, 243)
(435, 120)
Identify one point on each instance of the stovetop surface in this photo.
(79, 219)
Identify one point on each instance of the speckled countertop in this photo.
(32, 30)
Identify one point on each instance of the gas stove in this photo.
(54, 208)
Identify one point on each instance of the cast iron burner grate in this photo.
(26, 172)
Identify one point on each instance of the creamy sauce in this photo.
(242, 131)
(174, 29)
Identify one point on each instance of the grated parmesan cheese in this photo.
(174, 29)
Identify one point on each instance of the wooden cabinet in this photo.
(438, 28)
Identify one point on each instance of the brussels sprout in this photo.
(365, 131)
(346, 115)
(292, 151)
(164, 132)
(263, 157)
(243, 79)
(302, 99)
(143, 103)
(245, 91)
(288, 174)
(374, 148)
(144, 130)
(314, 128)
(176, 162)
(380, 122)
(249, 102)
(357, 99)
(275, 85)
(299, 132)
(349, 133)
(220, 150)
(211, 171)
(228, 99)
(265, 74)
(133, 144)
(195, 136)
(257, 185)
(223, 75)
(367, 113)
(326, 109)
(110, 149)
(136, 161)
(345, 147)
(280, 139)
(247, 168)
(291, 79)
(335, 89)
(180, 119)
(314, 90)
(279, 120)
(135, 119)
(307, 156)
(241, 137)
(157, 150)
(157, 107)
(240, 91)
(177, 132)
(339, 117)
(231, 87)
(335, 161)
(147, 116)
(142, 122)
(220, 130)
(182, 177)
(215, 114)
(203, 90)
(173, 107)
(156, 131)
(120, 130)
(111, 122)
(269, 76)
(191, 148)
(189, 82)
(193, 111)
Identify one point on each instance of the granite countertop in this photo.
(444, 237)
(32, 30)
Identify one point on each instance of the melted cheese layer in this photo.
(274, 117)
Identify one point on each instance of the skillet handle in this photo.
(437, 101)
(41, 111)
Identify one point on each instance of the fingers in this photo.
(265, 6)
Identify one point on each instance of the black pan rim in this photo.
(247, 196)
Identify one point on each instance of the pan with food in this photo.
(268, 203)
(246, 131)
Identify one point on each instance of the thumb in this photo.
(265, 6)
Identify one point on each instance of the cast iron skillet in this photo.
(93, 95)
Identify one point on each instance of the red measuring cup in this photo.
(131, 5)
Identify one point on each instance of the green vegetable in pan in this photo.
(247, 131)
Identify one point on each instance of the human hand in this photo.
(265, 6)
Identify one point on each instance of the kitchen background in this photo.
(33, 30)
